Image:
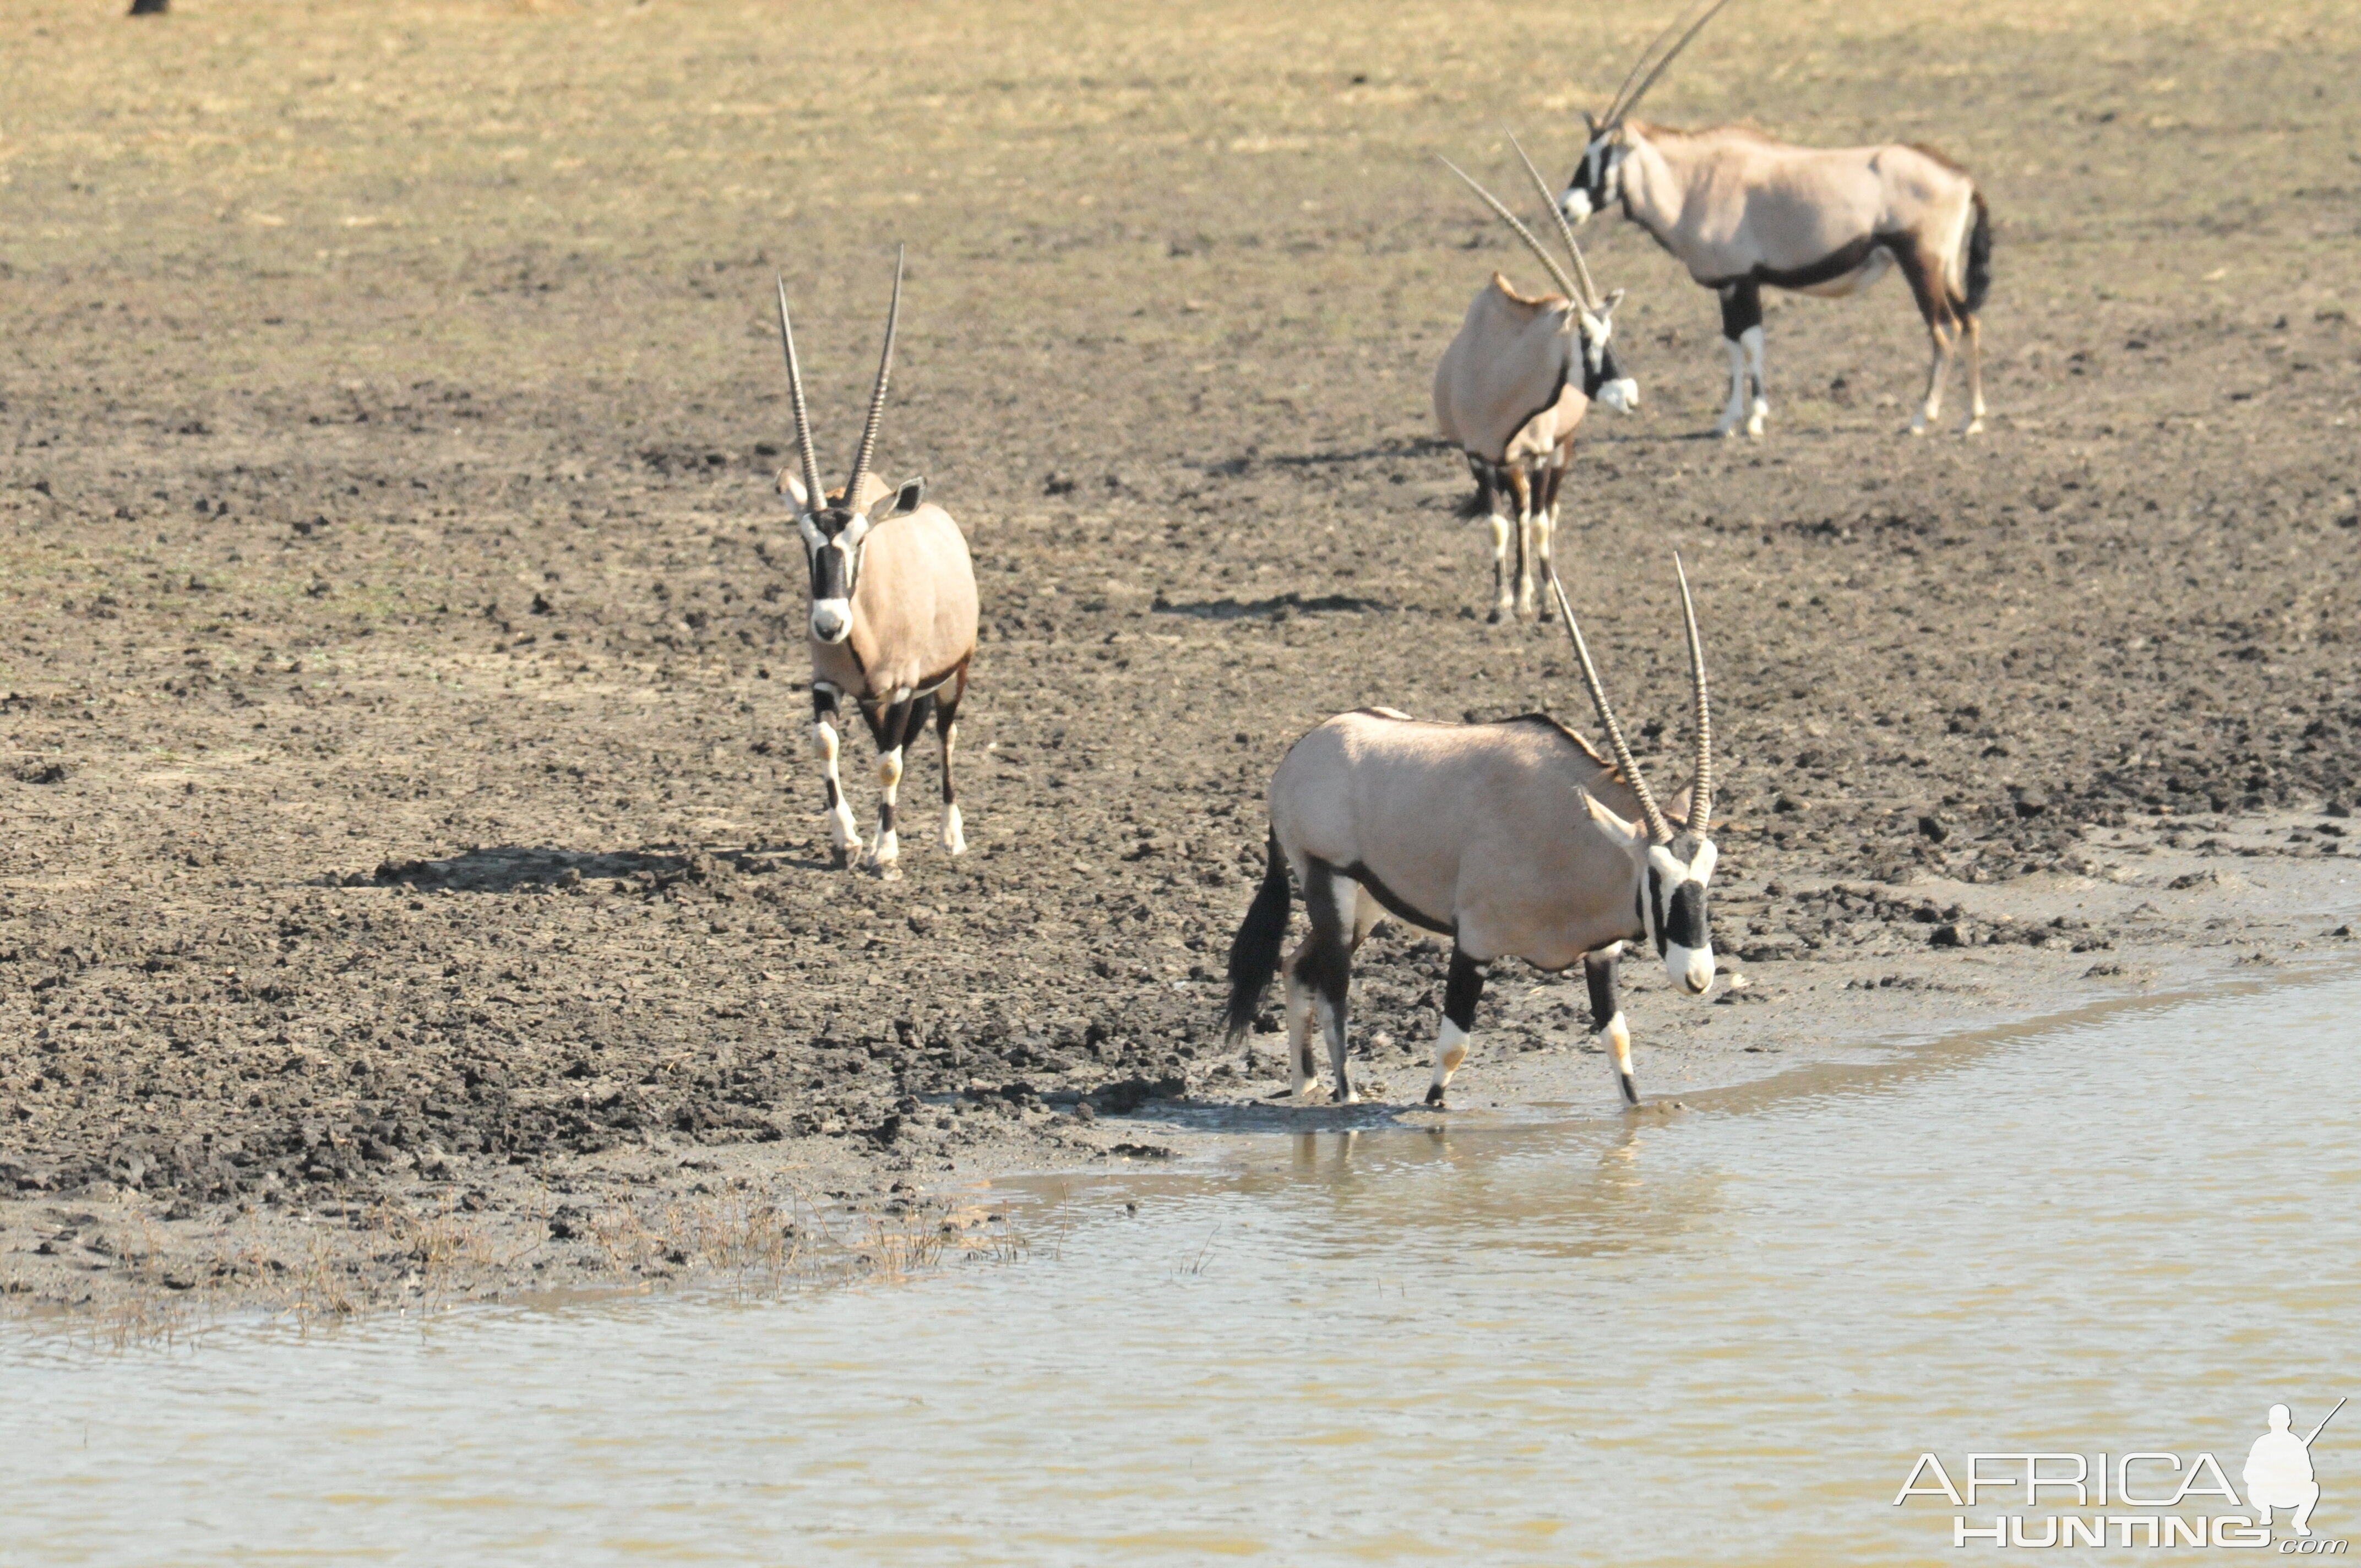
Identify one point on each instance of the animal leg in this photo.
(1501, 603)
(1522, 483)
(840, 830)
(1545, 536)
(947, 731)
(1297, 1007)
(892, 727)
(1742, 315)
(1973, 330)
(1927, 287)
(1325, 968)
(1461, 991)
(1759, 409)
(1941, 336)
(1607, 1014)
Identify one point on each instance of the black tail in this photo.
(1979, 258)
(1254, 952)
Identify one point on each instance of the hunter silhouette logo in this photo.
(2143, 1498)
(2279, 1471)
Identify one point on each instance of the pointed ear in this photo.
(1614, 300)
(912, 494)
(792, 489)
(1628, 835)
(1590, 126)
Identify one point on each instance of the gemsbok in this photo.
(893, 618)
(1513, 386)
(1516, 838)
(1741, 211)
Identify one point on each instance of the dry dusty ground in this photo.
(412, 877)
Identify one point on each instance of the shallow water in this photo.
(1719, 1336)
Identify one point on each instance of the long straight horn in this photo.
(1633, 101)
(813, 499)
(1549, 262)
(1615, 105)
(877, 398)
(1591, 298)
(1657, 826)
(1700, 787)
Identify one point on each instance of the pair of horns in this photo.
(1586, 295)
(1701, 789)
(816, 498)
(1628, 96)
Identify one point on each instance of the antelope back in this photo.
(1476, 828)
(1513, 379)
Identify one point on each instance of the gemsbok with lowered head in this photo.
(1513, 386)
(1741, 211)
(893, 618)
(1515, 838)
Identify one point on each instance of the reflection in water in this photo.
(1718, 1337)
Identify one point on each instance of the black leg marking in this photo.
(1741, 308)
(1599, 968)
(825, 711)
(1462, 990)
(1607, 1016)
(946, 723)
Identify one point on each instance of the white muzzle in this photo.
(1690, 967)
(1576, 205)
(1622, 396)
(831, 620)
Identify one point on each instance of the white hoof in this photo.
(888, 850)
(1975, 425)
(953, 838)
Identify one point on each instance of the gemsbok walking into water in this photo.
(893, 610)
(1513, 386)
(1741, 211)
(1515, 838)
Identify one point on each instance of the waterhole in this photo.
(1721, 1335)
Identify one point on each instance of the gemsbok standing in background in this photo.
(893, 610)
(1740, 211)
(1515, 383)
(1516, 838)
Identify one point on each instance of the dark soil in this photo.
(405, 779)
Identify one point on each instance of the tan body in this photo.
(1516, 840)
(1509, 386)
(1507, 393)
(1477, 820)
(1742, 212)
(1730, 203)
(892, 620)
(913, 611)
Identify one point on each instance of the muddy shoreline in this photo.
(666, 1211)
(412, 862)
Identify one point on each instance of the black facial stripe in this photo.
(830, 578)
(1656, 907)
(1610, 370)
(1684, 925)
